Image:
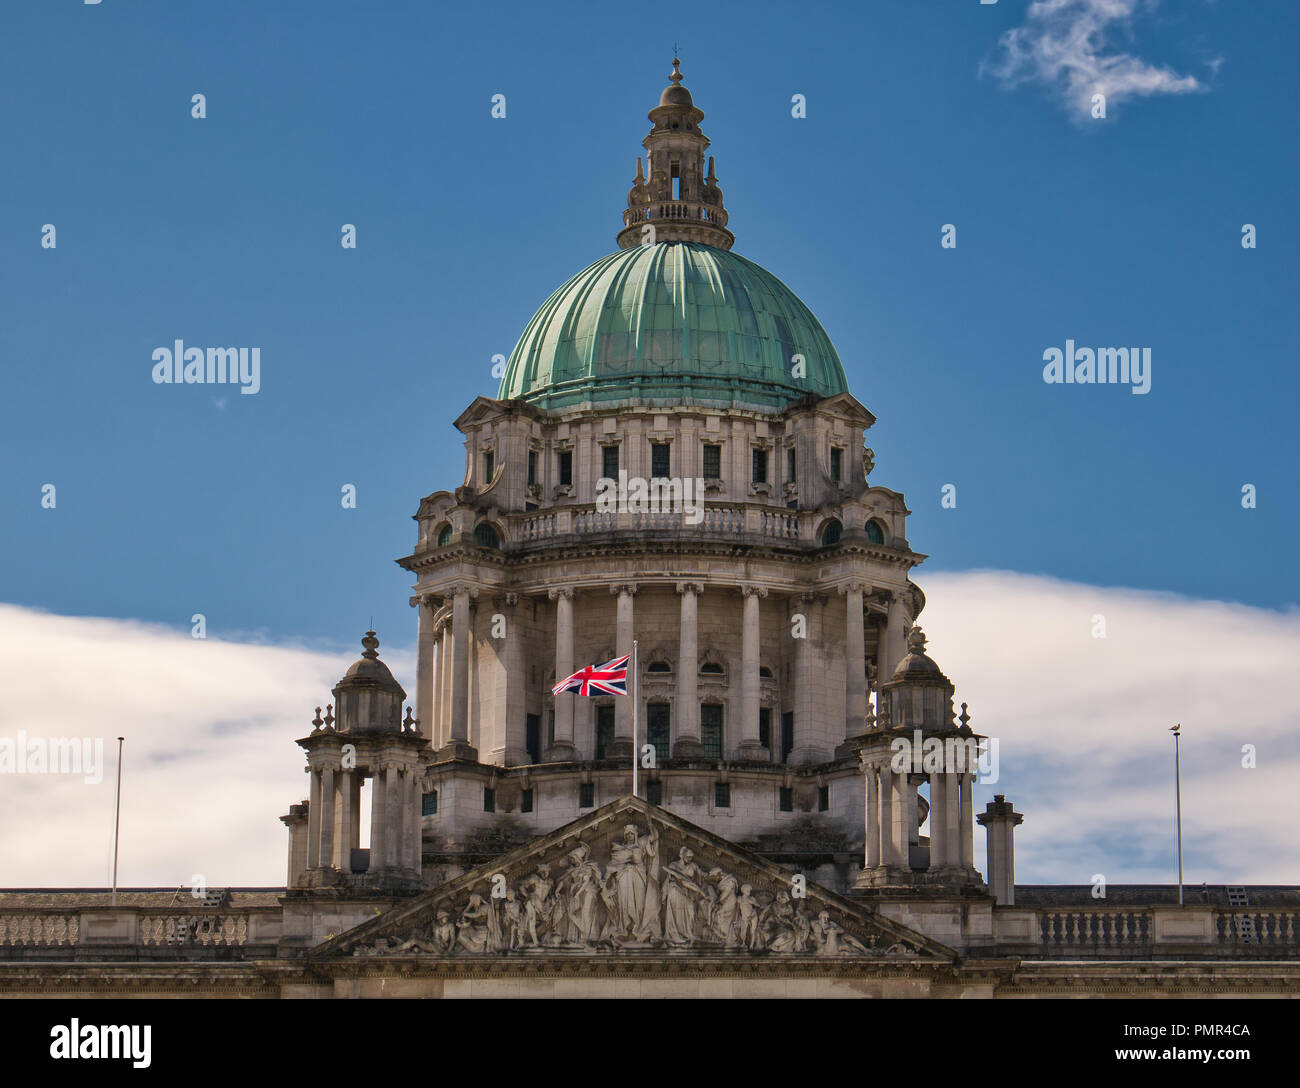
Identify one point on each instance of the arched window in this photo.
(831, 532)
(764, 672)
(485, 536)
(444, 536)
(711, 668)
(875, 533)
(659, 666)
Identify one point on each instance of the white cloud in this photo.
(1065, 44)
(1082, 725)
(210, 760)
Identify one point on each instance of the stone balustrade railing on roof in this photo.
(1147, 933)
(759, 523)
(91, 931)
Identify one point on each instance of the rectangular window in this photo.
(654, 792)
(658, 729)
(787, 734)
(789, 464)
(823, 798)
(604, 731)
(609, 462)
(711, 730)
(760, 466)
(429, 804)
(677, 180)
(489, 800)
(489, 463)
(765, 727)
(660, 466)
(837, 459)
(550, 729)
(564, 464)
(533, 737)
(786, 799)
(526, 801)
(721, 795)
(586, 795)
(712, 462)
(532, 467)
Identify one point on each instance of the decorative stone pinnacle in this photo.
(371, 645)
(329, 716)
(964, 718)
(676, 77)
(408, 723)
(916, 640)
(316, 721)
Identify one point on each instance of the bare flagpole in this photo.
(117, 817)
(636, 706)
(1178, 803)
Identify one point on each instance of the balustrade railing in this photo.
(1110, 929)
(39, 929)
(728, 519)
(1261, 928)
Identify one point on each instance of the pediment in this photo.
(632, 879)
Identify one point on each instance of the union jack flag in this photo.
(607, 679)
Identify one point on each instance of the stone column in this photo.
(873, 817)
(457, 745)
(751, 746)
(806, 679)
(516, 669)
(1000, 820)
(938, 820)
(563, 750)
(886, 807)
(378, 817)
(425, 662)
(965, 821)
(686, 721)
(952, 820)
(444, 687)
(392, 817)
(326, 848)
(417, 819)
(895, 647)
(626, 632)
(855, 653)
(313, 819)
(901, 808)
(344, 819)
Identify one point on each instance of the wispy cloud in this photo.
(1067, 45)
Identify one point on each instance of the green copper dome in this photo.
(672, 323)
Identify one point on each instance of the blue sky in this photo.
(225, 231)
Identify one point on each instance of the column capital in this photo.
(619, 588)
(510, 600)
(465, 588)
(808, 596)
(753, 591)
(853, 587)
(695, 588)
(556, 592)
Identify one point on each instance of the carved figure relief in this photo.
(633, 903)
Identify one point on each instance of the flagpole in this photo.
(636, 706)
(1178, 803)
(117, 818)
